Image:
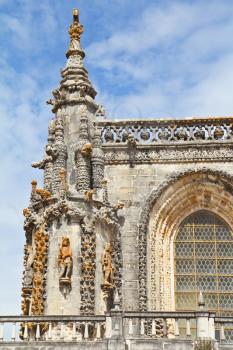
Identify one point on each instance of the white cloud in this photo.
(164, 62)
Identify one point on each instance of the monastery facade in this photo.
(129, 243)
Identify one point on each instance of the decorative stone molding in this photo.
(83, 154)
(97, 161)
(163, 131)
(59, 155)
(117, 262)
(88, 266)
(161, 154)
(174, 199)
(27, 279)
(39, 271)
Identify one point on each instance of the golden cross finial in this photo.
(76, 29)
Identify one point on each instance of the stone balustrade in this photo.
(147, 132)
(125, 325)
(224, 327)
(52, 328)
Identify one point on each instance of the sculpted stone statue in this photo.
(107, 264)
(65, 259)
(28, 272)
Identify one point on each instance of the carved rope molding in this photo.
(145, 214)
(147, 132)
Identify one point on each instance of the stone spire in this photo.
(75, 86)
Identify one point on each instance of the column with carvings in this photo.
(97, 160)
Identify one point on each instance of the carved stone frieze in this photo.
(157, 154)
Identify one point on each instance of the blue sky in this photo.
(145, 58)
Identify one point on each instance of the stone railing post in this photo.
(205, 321)
(212, 325)
(116, 341)
(116, 318)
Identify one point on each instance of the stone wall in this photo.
(133, 186)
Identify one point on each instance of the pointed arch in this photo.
(167, 206)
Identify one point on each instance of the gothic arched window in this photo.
(204, 261)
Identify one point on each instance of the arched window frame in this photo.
(217, 291)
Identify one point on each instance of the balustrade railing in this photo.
(166, 131)
(224, 329)
(52, 328)
(142, 325)
(160, 324)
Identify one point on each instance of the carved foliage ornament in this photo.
(76, 29)
(39, 271)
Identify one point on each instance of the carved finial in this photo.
(75, 31)
(116, 301)
(34, 184)
(201, 301)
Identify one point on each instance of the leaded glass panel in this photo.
(204, 261)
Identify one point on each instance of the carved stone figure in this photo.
(107, 265)
(65, 259)
(28, 272)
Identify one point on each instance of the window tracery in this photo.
(203, 251)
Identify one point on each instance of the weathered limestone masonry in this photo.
(143, 159)
(99, 264)
(72, 211)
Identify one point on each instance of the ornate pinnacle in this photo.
(75, 31)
